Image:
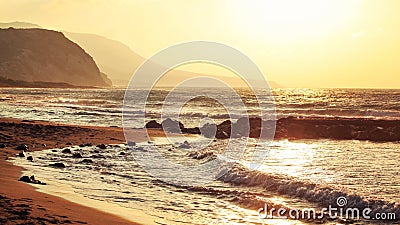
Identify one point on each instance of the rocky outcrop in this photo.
(302, 128)
(38, 55)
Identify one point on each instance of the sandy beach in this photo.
(20, 202)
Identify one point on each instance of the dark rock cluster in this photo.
(292, 128)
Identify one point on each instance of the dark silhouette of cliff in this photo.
(39, 55)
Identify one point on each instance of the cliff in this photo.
(38, 55)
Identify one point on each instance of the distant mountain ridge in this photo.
(119, 62)
(19, 25)
(39, 55)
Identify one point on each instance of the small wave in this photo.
(312, 192)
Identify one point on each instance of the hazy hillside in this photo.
(38, 55)
(114, 58)
(119, 62)
(18, 24)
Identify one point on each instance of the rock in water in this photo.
(171, 125)
(153, 124)
(131, 143)
(31, 180)
(102, 146)
(185, 145)
(87, 161)
(25, 179)
(30, 158)
(66, 151)
(22, 147)
(76, 155)
(57, 165)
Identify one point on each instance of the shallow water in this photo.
(368, 170)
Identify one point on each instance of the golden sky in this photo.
(297, 43)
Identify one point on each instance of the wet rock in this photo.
(30, 158)
(194, 130)
(96, 151)
(66, 151)
(25, 179)
(102, 146)
(57, 165)
(171, 125)
(22, 147)
(88, 145)
(185, 145)
(81, 145)
(54, 150)
(131, 143)
(208, 130)
(87, 161)
(31, 180)
(2, 145)
(98, 156)
(380, 135)
(153, 124)
(76, 155)
(122, 153)
(21, 154)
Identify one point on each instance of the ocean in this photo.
(296, 174)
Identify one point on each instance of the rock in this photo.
(131, 143)
(87, 161)
(153, 124)
(208, 130)
(96, 151)
(68, 143)
(44, 145)
(102, 146)
(31, 180)
(57, 165)
(25, 179)
(81, 145)
(98, 156)
(380, 135)
(22, 147)
(88, 145)
(122, 153)
(2, 145)
(171, 125)
(66, 151)
(54, 150)
(185, 145)
(77, 155)
(21, 154)
(194, 130)
(30, 158)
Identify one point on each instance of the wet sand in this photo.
(20, 203)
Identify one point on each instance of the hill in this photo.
(38, 55)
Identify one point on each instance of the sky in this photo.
(296, 43)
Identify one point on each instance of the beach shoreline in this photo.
(23, 203)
